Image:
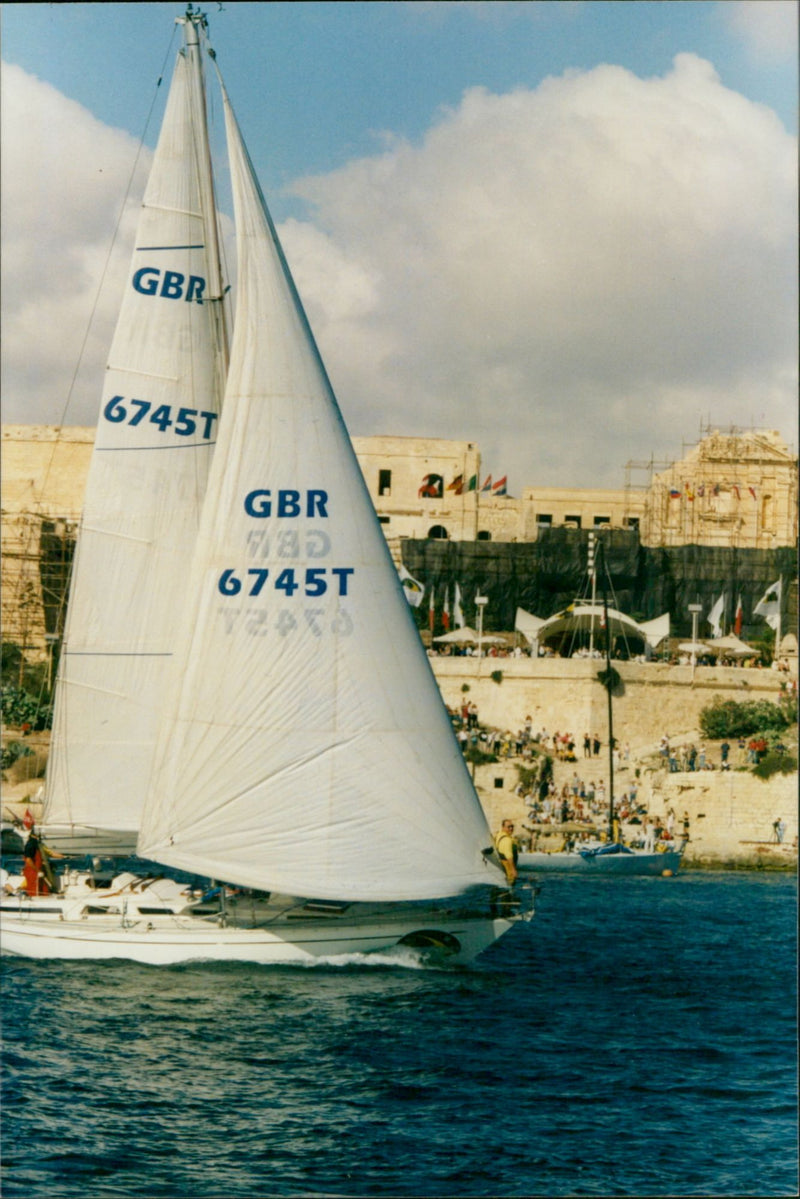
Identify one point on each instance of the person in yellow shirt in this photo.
(507, 847)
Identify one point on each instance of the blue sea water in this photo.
(638, 1037)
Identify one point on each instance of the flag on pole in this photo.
(715, 616)
(769, 606)
(674, 493)
(431, 614)
(500, 486)
(446, 610)
(432, 487)
(458, 614)
(737, 621)
(457, 485)
(487, 486)
(414, 590)
(473, 483)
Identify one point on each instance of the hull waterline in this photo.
(165, 941)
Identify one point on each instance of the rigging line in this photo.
(115, 234)
(113, 241)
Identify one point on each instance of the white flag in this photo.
(458, 614)
(715, 616)
(769, 606)
(414, 590)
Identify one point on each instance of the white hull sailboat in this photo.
(243, 689)
(282, 932)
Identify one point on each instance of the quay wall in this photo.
(564, 695)
(731, 813)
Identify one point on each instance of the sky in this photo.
(566, 231)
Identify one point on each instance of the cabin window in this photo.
(484, 535)
(437, 533)
(384, 482)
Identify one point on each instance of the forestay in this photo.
(156, 429)
(306, 749)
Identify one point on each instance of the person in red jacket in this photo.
(35, 868)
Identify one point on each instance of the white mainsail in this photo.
(157, 425)
(306, 748)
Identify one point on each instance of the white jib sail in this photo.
(157, 425)
(308, 750)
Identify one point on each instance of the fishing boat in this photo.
(609, 855)
(242, 690)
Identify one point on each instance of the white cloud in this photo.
(573, 276)
(768, 28)
(64, 176)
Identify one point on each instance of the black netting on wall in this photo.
(544, 576)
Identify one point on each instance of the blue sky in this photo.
(377, 126)
(318, 84)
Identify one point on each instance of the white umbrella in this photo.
(693, 647)
(468, 636)
(463, 636)
(731, 646)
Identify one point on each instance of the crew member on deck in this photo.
(35, 868)
(507, 847)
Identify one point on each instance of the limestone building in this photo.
(734, 490)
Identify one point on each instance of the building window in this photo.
(544, 519)
(384, 520)
(602, 522)
(572, 522)
(384, 482)
(484, 535)
(632, 522)
(437, 533)
(498, 784)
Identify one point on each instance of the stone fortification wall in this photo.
(731, 813)
(563, 695)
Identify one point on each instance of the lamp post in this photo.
(480, 603)
(695, 610)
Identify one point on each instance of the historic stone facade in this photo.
(732, 489)
(44, 472)
(736, 489)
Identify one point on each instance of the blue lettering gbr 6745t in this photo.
(119, 410)
(147, 279)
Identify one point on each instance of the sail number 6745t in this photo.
(313, 582)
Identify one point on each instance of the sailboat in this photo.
(295, 750)
(610, 856)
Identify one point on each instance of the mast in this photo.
(195, 26)
(608, 686)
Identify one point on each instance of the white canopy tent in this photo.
(580, 618)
